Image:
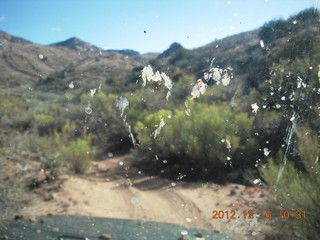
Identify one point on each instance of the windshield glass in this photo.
(193, 119)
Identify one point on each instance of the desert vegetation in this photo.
(264, 125)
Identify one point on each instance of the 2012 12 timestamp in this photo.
(250, 214)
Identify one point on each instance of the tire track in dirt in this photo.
(191, 214)
(113, 189)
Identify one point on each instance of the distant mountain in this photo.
(143, 58)
(77, 45)
(23, 62)
(174, 47)
(127, 52)
(6, 37)
(250, 55)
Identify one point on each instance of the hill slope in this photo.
(249, 54)
(23, 62)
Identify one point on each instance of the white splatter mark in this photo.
(121, 163)
(294, 22)
(219, 75)
(257, 181)
(168, 95)
(157, 131)
(121, 104)
(292, 95)
(262, 43)
(283, 98)
(290, 131)
(300, 83)
(134, 142)
(266, 152)
(184, 234)
(216, 74)
(233, 99)
(110, 154)
(212, 60)
(88, 109)
(225, 79)
(147, 74)
(93, 92)
(41, 57)
(173, 184)
(255, 108)
(187, 110)
(156, 77)
(135, 201)
(71, 85)
(228, 144)
(198, 89)
(167, 81)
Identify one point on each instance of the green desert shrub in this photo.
(203, 137)
(48, 148)
(44, 122)
(296, 189)
(11, 188)
(14, 112)
(10, 102)
(105, 124)
(79, 155)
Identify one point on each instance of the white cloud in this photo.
(56, 29)
(2, 18)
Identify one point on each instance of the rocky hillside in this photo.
(249, 54)
(23, 62)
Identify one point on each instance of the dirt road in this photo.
(113, 189)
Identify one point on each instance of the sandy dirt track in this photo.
(113, 189)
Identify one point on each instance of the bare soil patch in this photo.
(114, 189)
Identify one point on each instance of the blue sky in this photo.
(120, 24)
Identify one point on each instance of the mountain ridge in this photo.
(22, 61)
(77, 44)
